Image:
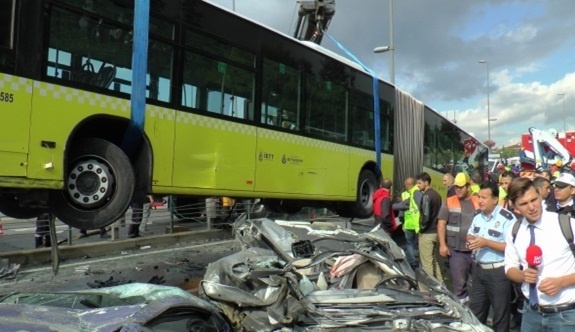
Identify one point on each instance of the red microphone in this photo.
(534, 256)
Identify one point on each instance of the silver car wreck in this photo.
(297, 276)
(126, 308)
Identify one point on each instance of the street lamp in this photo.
(489, 119)
(563, 97)
(390, 48)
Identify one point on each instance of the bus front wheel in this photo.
(362, 207)
(98, 188)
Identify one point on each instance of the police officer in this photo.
(454, 219)
(486, 238)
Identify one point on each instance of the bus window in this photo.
(362, 129)
(103, 57)
(326, 109)
(218, 77)
(6, 23)
(280, 95)
(218, 87)
(219, 49)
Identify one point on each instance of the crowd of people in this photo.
(502, 243)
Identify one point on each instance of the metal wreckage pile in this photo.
(297, 276)
(289, 276)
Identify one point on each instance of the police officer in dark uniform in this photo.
(486, 237)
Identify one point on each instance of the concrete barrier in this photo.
(33, 257)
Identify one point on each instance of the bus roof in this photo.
(306, 43)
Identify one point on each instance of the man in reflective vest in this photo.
(455, 217)
(411, 198)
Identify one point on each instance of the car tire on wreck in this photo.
(99, 184)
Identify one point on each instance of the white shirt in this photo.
(558, 260)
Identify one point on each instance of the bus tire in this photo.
(362, 207)
(99, 185)
(10, 207)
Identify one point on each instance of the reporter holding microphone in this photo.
(539, 257)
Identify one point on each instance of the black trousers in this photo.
(42, 234)
(137, 214)
(491, 287)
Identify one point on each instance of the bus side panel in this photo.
(359, 158)
(211, 153)
(160, 127)
(15, 106)
(294, 164)
(437, 181)
(57, 112)
(387, 170)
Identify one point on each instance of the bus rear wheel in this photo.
(362, 207)
(99, 185)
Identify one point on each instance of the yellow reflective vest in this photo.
(411, 216)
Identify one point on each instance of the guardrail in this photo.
(19, 234)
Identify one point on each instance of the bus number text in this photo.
(7, 97)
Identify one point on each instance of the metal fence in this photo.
(161, 218)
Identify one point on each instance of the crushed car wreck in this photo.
(130, 307)
(297, 276)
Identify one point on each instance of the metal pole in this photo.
(391, 44)
(563, 112)
(488, 104)
(488, 107)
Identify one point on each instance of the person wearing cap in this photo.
(564, 189)
(556, 167)
(454, 220)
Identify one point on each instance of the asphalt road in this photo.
(177, 260)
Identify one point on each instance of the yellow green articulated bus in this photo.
(233, 109)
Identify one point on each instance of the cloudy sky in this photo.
(529, 46)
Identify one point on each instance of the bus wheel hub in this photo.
(88, 182)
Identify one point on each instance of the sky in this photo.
(528, 46)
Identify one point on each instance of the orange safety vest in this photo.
(454, 225)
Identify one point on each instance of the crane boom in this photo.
(314, 17)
